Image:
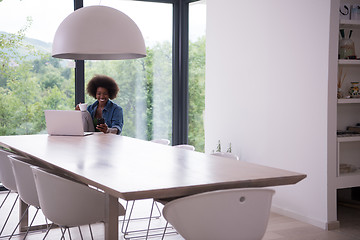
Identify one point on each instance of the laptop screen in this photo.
(64, 122)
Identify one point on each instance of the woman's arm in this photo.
(117, 121)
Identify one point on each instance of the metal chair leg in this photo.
(32, 221)
(141, 218)
(127, 224)
(25, 212)
(63, 233)
(80, 233)
(48, 230)
(162, 238)
(9, 191)
(148, 229)
(69, 233)
(149, 232)
(92, 237)
(7, 219)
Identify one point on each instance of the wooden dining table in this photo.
(132, 169)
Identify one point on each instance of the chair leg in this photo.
(142, 218)
(8, 193)
(69, 233)
(80, 233)
(148, 229)
(157, 207)
(32, 221)
(92, 237)
(25, 212)
(148, 232)
(162, 238)
(127, 224)
(7, 219)
(63, 233)
(48, 230)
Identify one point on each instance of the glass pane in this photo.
(197, 40)
(30, 79)
(145, 84)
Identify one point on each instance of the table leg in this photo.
(111, 218)
(24, 222)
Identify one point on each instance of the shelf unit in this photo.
(348, 100)
(351, 62)
(348, 139)
(354, 24)
(349, 146)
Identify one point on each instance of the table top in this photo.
(130, 168)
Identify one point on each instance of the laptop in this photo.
(65, 123)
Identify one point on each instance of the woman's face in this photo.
(102, 95)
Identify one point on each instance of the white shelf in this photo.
(351, 62)
(347, 180)
(348, 139)
(349, 23)
(344, 142)
(348, 100)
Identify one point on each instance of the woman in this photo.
(106, 115)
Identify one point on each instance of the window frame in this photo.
(180, 68)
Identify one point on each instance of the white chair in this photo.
(68, 203)
(240, 214)
(226, 154)
(185, 146)
(161, 141)
(8, 180)
(4, 154)
(26, 186)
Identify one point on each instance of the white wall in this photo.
(267, 92)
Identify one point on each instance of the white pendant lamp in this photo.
(98, 33)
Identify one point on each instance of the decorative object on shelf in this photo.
(355, 12)
(347, 168)
(346, 46)
(341, 79)
(354, 129)
(98, 33)
(344, 11)
(354, 90)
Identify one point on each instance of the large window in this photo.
(31, 80)
(145, 84)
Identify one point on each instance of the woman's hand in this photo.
(102, 127)
(77, 107)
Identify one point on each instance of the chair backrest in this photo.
(7, 177)
(226, 154)
(161, 141)
(186, 146)
(240, 214)
(24, 180)
(68, 203)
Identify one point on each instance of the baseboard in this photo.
(324, 225)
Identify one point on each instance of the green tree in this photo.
(13, 50)
(197, 93)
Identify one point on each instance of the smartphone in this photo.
(100, 121)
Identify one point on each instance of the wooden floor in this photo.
(279, 228)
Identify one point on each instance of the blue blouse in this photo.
(112, 113)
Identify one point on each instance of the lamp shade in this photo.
(98, 33)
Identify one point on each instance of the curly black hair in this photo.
(105, 82)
